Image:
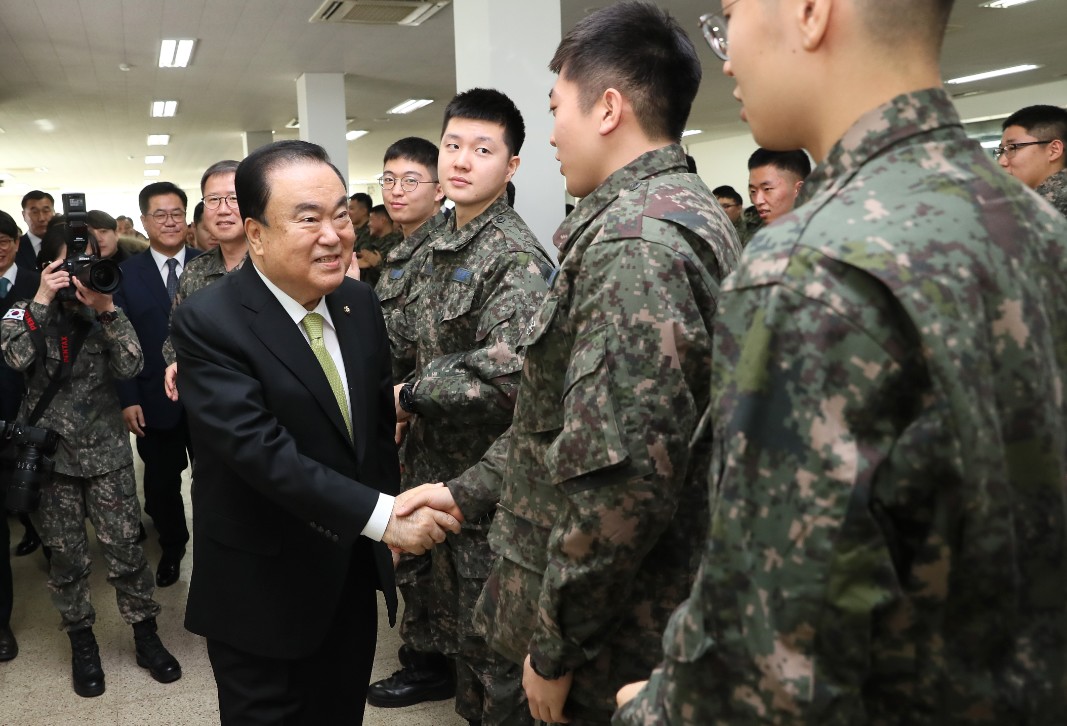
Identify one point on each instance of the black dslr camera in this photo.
(25, 463)
(96, 274)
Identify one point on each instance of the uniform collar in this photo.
(458, 239)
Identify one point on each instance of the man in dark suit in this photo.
(15, 284)
(38, 208)
(149, 283)
(292, 507)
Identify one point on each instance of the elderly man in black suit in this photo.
(285, 374)
(38, 208)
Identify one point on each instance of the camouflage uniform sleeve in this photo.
(19, 350)
(126, 356)
(477, 490)
(480, 385)
(824, 423)
(621, 459)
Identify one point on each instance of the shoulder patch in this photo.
(462, 275)
(15, 314)
(396, 273)
(427, 269)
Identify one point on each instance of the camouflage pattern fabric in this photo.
(745, 230)
(200, 272)
(602, 500)
(482, 285)
(364, 240)
(110, 502)
(888, 542)
(386, 244)
(85, 411)
(1054, 190)
(399, 288)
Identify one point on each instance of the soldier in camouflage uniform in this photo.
(734, 206)
(888, 541)
(413, 195)
(602, 507)
(93, 462)
(1032, 149)
(484, 279)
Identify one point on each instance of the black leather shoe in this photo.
(87, 674)
(152, 655)
(167, 572)
(28, 544)
(9, 647)
(409, 686)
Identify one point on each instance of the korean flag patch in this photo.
(15, 314)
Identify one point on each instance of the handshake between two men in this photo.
(421, 518)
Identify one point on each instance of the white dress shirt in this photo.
(161, 263)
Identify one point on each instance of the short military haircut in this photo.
(198, 213)
(158, 189)
(1047, 123)
(492, 106)
(795, 162)
(381, 210)
(226, 166)
(893, 22)
(727, 192)
(641, 51)
(364, 199)
(36, 194)
(252, 182)
(414, 148)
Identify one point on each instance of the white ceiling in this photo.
(65, 106)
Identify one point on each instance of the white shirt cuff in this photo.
(379, 518)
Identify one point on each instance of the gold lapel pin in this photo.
(347, 310)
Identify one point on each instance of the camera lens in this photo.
(104, 276)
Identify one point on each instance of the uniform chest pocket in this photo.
(457, 301)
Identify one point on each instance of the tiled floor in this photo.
(35, 688)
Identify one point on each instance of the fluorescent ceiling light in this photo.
(45, 125)
(1001, 4)
(691, 132)
(164, 109)
(983, 119)
(158, 139)
(990, 144)
(153, 159)
(151, 172)
(412, 104)
(41, 169)
(993, 74)
(175, 53)
(353, 135)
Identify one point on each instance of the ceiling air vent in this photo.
(377, 12)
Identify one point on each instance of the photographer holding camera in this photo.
(73, 343)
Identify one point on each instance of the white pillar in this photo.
(506, 45)
(252, 140)
(320, 99)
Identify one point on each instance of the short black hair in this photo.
(1048, 123)
(52, 241)
(158, 189)
(795, 162)
(891, 22)
(509, 190)
(414, 149)
(8, 226)
(727, 192)
(380, 209)
(364, 199)
(251, 181)
(489, 104)
(198, 213)
(642, 52)
(226, 166)
(33, 196)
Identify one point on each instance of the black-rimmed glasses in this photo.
(1010, 149)
(407, 183)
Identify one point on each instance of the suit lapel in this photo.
(348, 337)
(273, 326)
(151, 279)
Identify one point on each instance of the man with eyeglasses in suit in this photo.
(1032, 150)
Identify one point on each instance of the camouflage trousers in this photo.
(414, 579)
(488, 685)
(110, 502)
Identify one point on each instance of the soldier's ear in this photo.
(610, 110)
(1055, 150)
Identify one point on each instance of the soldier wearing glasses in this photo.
(1032, 151)
(888, 539)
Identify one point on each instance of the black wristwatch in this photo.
(108, 316)
(407, 397)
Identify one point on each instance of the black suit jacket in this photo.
(143, 297)
(26, 258)
(281, 491)
(11, 384)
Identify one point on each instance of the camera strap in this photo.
(70, 343)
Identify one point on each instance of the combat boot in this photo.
(87, 674)
(424, 677)
(152, 655)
